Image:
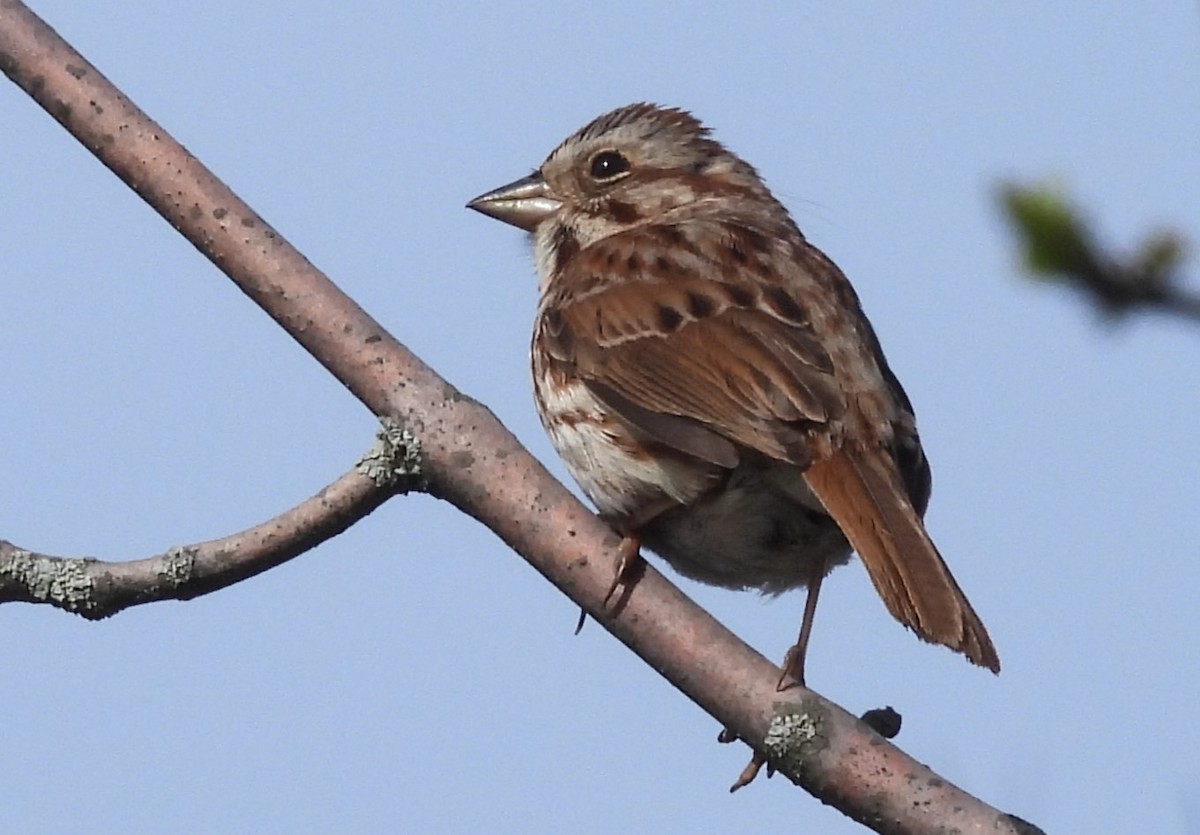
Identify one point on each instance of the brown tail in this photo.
(861, 490)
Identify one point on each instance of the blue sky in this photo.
(415, 675)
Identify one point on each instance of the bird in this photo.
(711, 382)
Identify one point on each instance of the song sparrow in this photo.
(711, 382)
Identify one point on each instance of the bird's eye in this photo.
(608, 165)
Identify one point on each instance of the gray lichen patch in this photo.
(394, 460)
(63, 582)
(177, 566)
(794, 736)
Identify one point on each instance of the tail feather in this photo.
(861, 490)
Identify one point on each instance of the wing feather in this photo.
(730, 355)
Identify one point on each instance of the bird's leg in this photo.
(629, 552)
(629, 556)
(750, 771)
(793, 661)
(793, 668)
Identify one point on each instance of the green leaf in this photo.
(1053, 236)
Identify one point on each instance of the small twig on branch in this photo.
(1059, 245)
(469, 459)
(97, 589)
(884, 721)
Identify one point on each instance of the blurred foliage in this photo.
(1058, 245)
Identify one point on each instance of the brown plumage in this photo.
(711, 381)
(859, 488)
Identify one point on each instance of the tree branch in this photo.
(1059, 245)
(97, 589)
(469, 459)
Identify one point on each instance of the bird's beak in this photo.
(524, 203)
